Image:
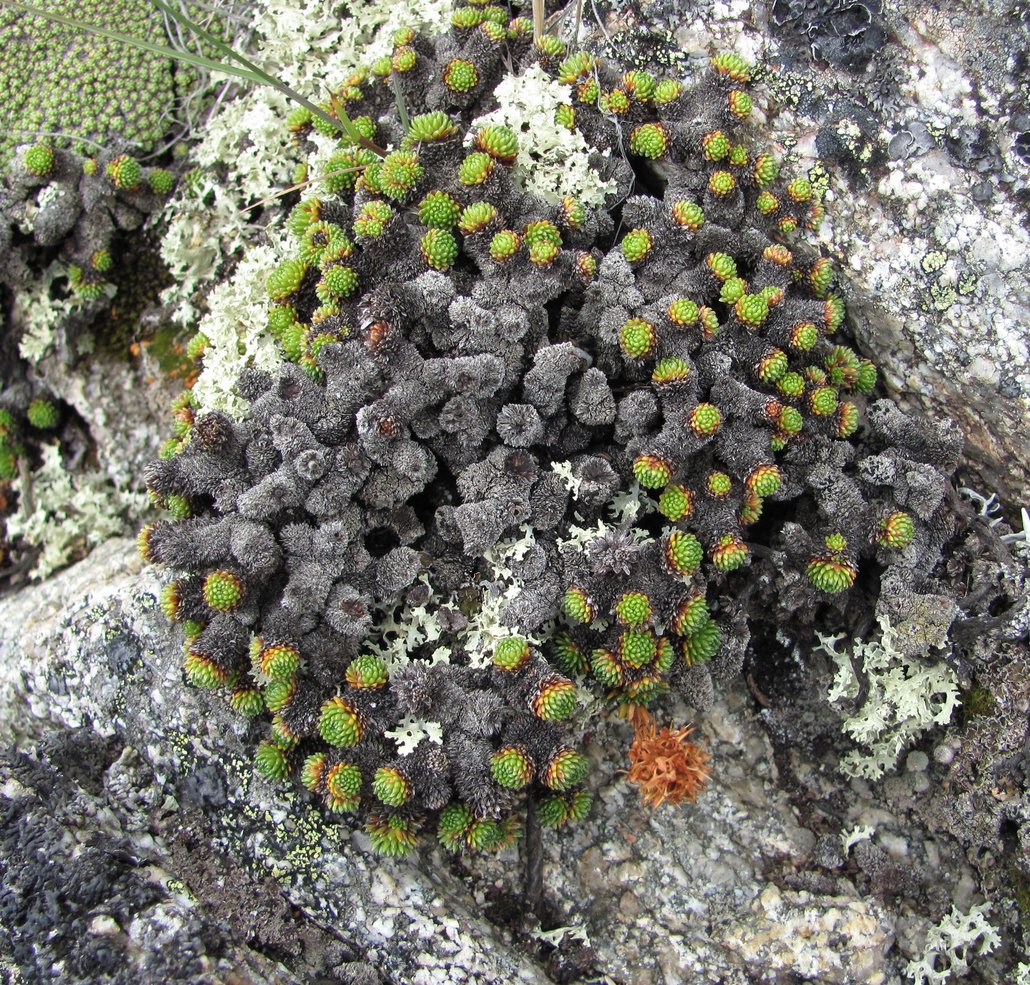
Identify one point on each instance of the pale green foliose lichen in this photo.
(40, 312)
(235, 306)
(951, 944)
(553, 161)
(904, 699)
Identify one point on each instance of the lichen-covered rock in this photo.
(683, 893)
(80, 209)
(845, 882)
(121, 404)
(87, 898)
(69, 441)
(770, 932)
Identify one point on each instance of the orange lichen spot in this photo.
(666, 767)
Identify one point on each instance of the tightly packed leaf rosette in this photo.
(508, 461)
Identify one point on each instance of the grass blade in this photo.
(343, 122)
(282, 192)
(398, 98)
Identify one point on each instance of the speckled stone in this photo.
(128, 414)
(688, 884)
(770, 933)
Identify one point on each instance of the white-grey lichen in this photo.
(66, 514)
(903, 699)
(952, 943)
(553, 161)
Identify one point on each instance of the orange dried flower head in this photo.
(666, 767)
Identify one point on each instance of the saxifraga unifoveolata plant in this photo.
(515, 455)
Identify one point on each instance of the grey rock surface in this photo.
(111, 753)
(86, 897)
